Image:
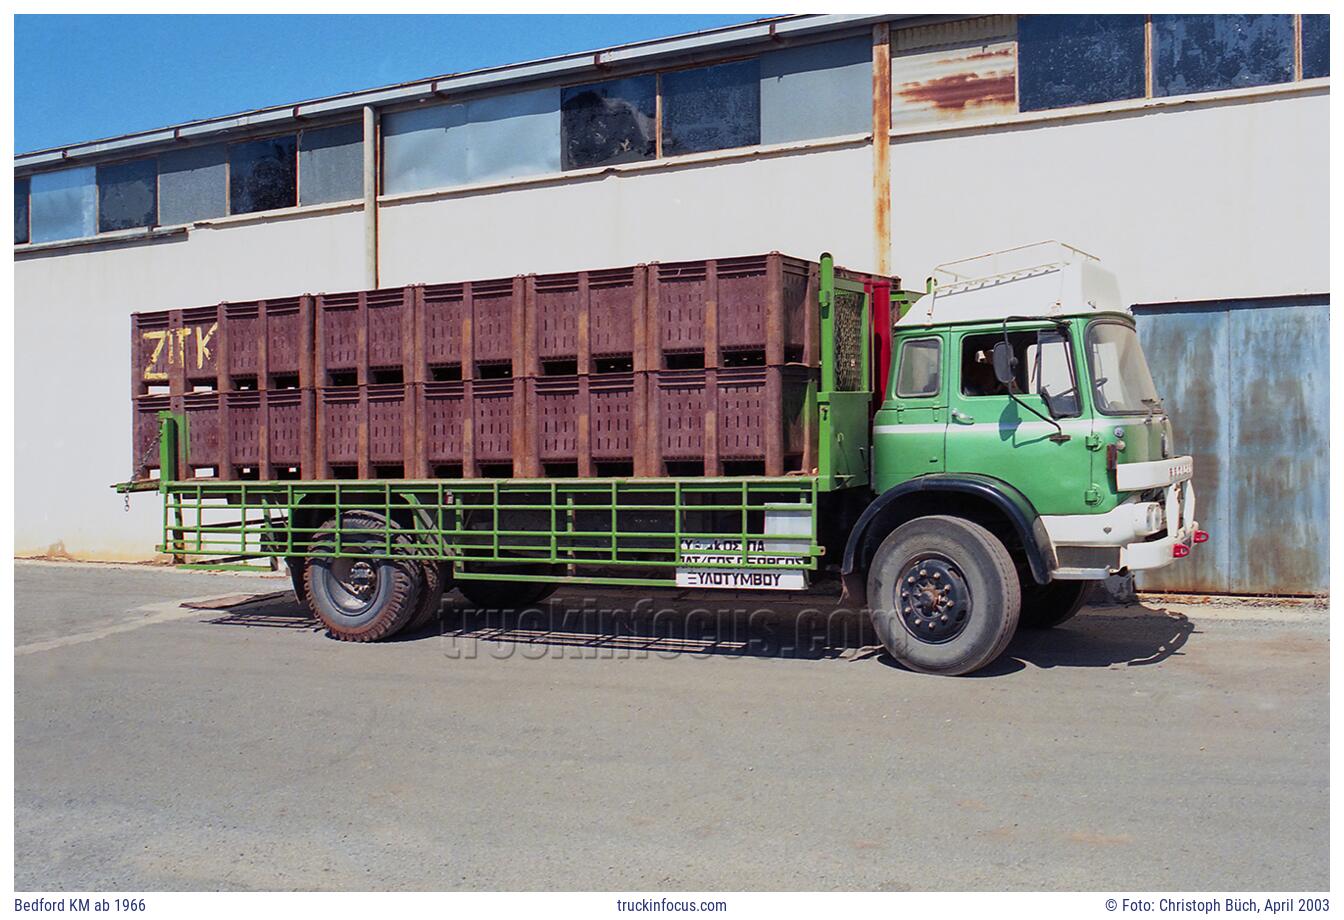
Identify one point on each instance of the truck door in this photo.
(990, 433)
(909, 429)
(844, 396)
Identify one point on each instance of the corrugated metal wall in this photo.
(1248, 387)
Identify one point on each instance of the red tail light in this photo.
(1201, 536)
(1180, 551)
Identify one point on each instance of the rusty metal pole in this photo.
(371, 196)
(882, 146)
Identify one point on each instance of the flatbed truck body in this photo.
(1014, 454)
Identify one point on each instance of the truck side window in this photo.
(918, 374)
(1044, 367)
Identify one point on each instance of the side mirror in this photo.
(1004, 363)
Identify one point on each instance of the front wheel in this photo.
(1044, 606)
(944, 595)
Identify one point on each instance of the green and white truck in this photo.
(1016, 452)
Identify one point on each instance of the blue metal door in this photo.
(1247, 385)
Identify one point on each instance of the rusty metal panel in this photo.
(948, 84)
(1188, 353)
(1247, 385)
(1280, 394)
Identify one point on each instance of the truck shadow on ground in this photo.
(673, 623)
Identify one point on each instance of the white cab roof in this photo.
(1043, 279)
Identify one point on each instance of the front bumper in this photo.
(1095, 546)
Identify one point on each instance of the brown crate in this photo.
(757, 310)
(254, 342)
(585, 425)
(367, 432)
(730, 420)
(206, 441)
(498, 426)
(365, 337)
(473, 329)
(145, 433)
(587, 321)
(289, 433)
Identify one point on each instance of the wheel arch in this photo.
(997, 505)
(313, 510)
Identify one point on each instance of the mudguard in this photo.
(1003, 496)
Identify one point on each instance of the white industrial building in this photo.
(1189, 152)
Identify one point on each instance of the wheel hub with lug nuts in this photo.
(933, 600)
(360, 579)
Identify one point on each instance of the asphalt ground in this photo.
(651, 743)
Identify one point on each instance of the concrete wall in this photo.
(1203, 202)
(1217, 200)
(802, 203)
(72, 377)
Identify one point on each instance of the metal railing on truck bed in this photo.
(749, 532)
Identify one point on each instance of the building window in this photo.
(487, 139)
(513, 135)
(331, 164)
(261, 175)
(1198, 54)
(21, 210)
(712, 108)
(822, 90)
(606, 123)
(127, 195)
(424, 148)
(193, 185)
(1078, 60)
(1315, 45)
(63, 204)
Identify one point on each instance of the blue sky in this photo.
(78, 78)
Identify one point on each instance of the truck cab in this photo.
(1018, 397)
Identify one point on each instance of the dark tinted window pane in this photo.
(127, 195)
(1316, 45)
(20, 210)
(1077, 60)
(332, 164)
(1197, 54)
(192, 185)
(712, 108)
(611, 122)
(261, 175)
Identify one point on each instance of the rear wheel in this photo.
(360, 599)
(944, 595)
(430, 598)
(1044, 606)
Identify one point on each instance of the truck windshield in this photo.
(1120, 377)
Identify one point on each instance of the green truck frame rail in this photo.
(595, 531)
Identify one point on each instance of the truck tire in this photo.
(944, 595)
(360, 600)
(505, 595)
(1044, 606)
(430, 598)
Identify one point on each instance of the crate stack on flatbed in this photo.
(699, 368)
